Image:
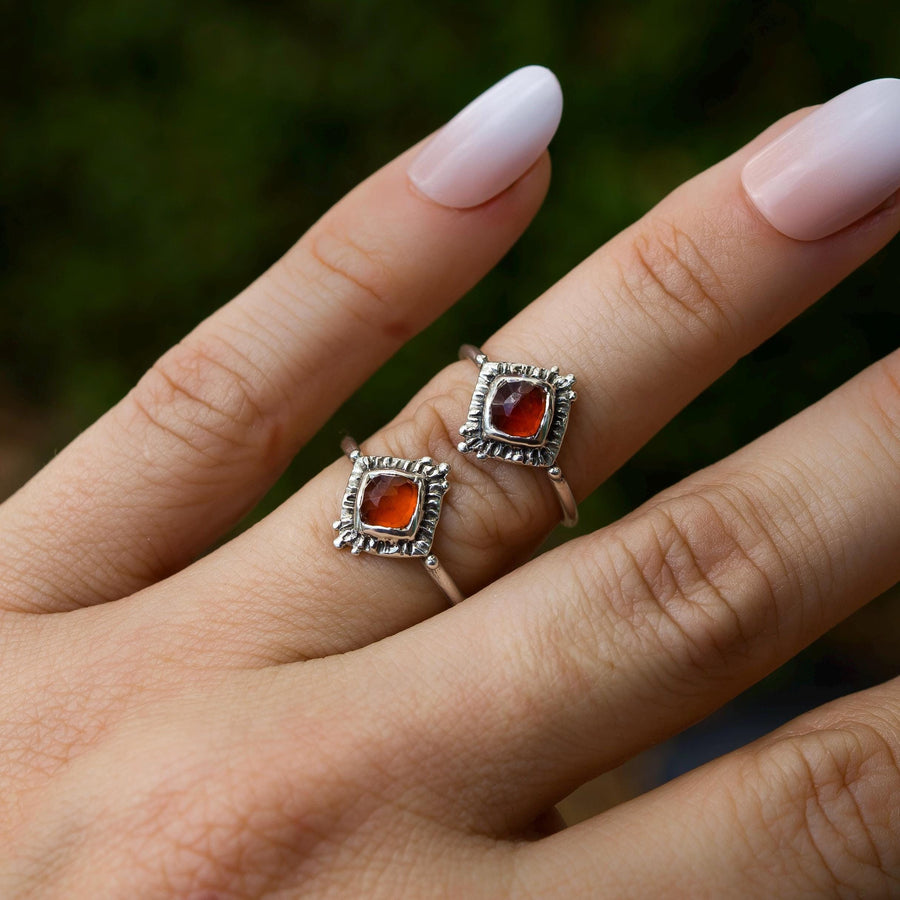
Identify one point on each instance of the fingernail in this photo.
(493, 141)
(839, 163)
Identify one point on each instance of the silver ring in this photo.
(391, 507)
(519, 413)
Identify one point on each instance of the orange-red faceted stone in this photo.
(517, 408)
(389, 501)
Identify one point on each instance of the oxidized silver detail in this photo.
(485, 441)
(416, 539)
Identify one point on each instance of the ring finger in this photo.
(646, 323)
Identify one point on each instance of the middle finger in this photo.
(645, 323)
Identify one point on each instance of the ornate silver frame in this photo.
(413, 541)
(478, 435)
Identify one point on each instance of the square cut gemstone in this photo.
(389, 501)
(518, 407)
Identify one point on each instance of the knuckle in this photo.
(429, 424)
(835, 799)
(666, 270)
(206, 395)
(685, 576)
(356, 271)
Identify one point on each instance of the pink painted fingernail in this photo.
(839, 163)
(493, 141)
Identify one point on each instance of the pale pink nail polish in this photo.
(493, 141)
(834, 166)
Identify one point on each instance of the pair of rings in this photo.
(518, 413)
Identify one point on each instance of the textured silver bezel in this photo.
(414, 541)
(480, 439)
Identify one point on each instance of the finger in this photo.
(646, 323)
(217, 418)
(809, 811)
(617, 640)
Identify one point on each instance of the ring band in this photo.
(391, 507)
(519, 413)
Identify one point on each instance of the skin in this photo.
(279, 719)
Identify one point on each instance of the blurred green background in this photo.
(158, 155)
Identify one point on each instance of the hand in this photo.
(278, 718)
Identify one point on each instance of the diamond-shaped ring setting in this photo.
(391, 507)
(519, 413)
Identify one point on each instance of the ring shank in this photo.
(349, 447)
(473, 354)
(565, 496)
(443, 580)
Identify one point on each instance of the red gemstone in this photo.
(389, 501)
(518, 408)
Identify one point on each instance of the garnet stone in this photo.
(389, 501)
(518, 408)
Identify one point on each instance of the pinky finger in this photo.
(810, 811)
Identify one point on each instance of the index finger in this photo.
(212, 424)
